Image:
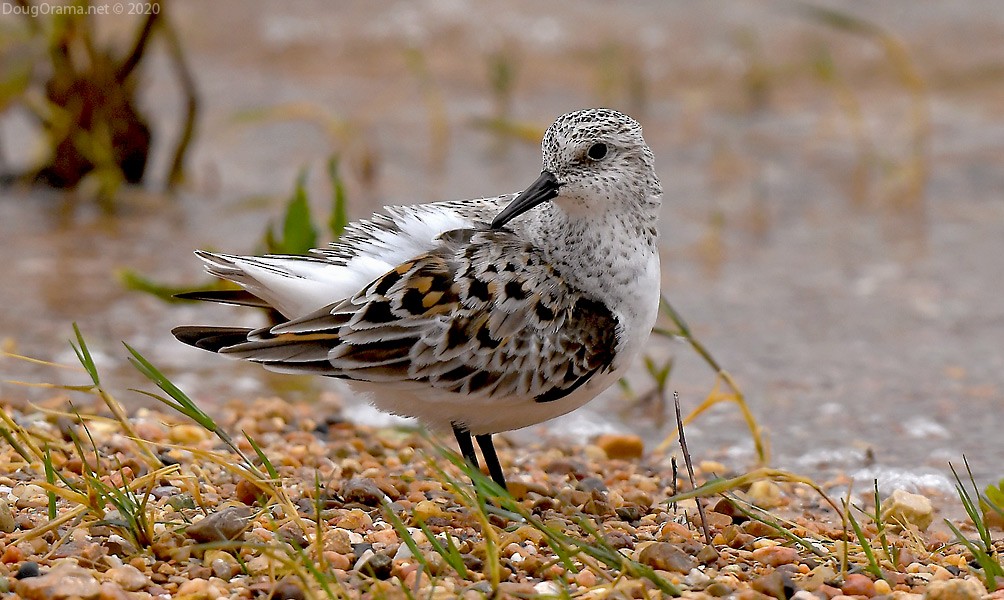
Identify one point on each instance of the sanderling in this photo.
(481, 315)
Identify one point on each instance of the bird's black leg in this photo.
(491, 459)
(466, 445)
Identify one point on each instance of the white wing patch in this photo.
(300, 285)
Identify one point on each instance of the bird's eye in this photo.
(597, 151)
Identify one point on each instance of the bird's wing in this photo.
(482, 315)
(298, 285)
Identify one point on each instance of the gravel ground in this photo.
(352, 504)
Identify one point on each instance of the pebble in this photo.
(426, 509)
(339, 561)
(288, 589)
(882, 587)
(26, 570)
(65, 580)
(902, 507)
(631, 512)
(222, 564)
(353, 520)
(719, 589)
(585, 578)
(128, 577)
(666, 557)
(248, 493)
(363, 491)
(857, 584)
(707, 554)
(777, 584)
(6, 517)
(765, 494)
(378, 565)
(220, 526)
(955, 589)
(715, 520)
(11, 554)
(521, 489)
(621, 446)
(112, 591)
(187, 434)
(773, 556)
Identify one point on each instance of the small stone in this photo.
(11, 554)
(758, 529)
(187, 433)
(631, 512)
(6, 517)
(354, 520)
(727, 507)
(471, 562)
(337, 560)
(585, 578)
(590, 484)
(248, 493)
(222, 564)
(715, 520)
(707, 554)
(773, 556)
(547, 589)
(903, 508)
(426, 509)
(113, 591)
(26, 570)
(288, 589)
(765, 494)
(857, 584)
(955, 589)
(221, 526)
(777, 584)
(363, 491)
(181, 501)
(128, 577)
(378, 565)
(65, 580)
(621, 446)
(193, 589)
(882, 588)
(718, 589)
(521, 489)
(596, 507)
(567, 466)
(667, 557)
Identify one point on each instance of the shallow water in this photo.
(863, 320)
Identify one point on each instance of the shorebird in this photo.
(482, 315)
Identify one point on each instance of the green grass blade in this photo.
(298, 232)
(991, 568)
(261, 456)
(182, 403)
(972, 509)
(84, 356)
(452, 558)
(9, 437)
(873, 565)
(405, 535)
(339, 218)
(50, 478)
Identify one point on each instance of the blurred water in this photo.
(863, 321)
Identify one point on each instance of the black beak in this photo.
(540, 191)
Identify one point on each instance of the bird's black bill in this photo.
(542, 190)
